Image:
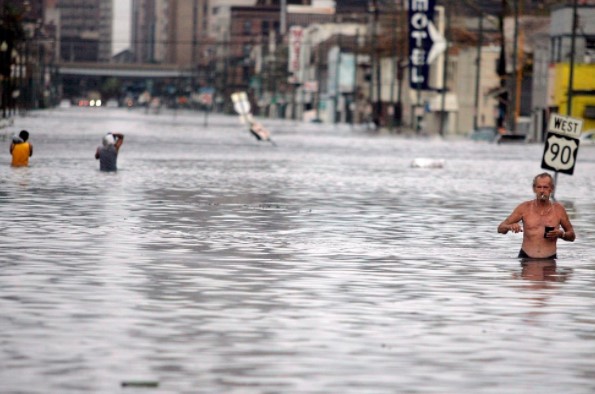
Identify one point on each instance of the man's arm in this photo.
(511, 223)
(568, 233)
(97, 153)
(30, 150)
(119, 140)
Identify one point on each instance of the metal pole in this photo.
(355, 57)
(318, 78)
(336, 81)
(572, 49)
(399, 106)
(444, 75)
(512, 108)
(283, 18)
(371, 30)
(418, 110)
(395, 70)
(378, 106)
(478, 73)
(555, 183)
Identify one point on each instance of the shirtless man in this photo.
(535, 215)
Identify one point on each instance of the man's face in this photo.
(543, 188)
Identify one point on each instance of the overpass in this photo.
(124, 70)
(77, 79)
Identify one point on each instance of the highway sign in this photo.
(565, 125)
(561, 144)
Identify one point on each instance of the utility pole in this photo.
(399, 106)
(283, 19)
(374, 63)
(572, 50)
(318, 77)
(478, 72)
(503, 95)
(445, 73)
(378, 106)
(336, 81)
(515, 70)
(370, 70)
(395, 69)
(355, 62)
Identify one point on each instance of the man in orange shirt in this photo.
(21, 150)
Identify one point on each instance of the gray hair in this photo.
(544, 175)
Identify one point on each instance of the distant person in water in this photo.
(543, 222)
(21, 150)
(107, 154)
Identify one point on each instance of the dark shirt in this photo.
(108, 157)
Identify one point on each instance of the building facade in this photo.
(170, 31)
(144, 32)
(551, 69)
(85, 30)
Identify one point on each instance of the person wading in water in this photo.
(543, 222)
(21, 150)
(108, 153)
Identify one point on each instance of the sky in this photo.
(121, 27)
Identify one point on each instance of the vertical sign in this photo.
(295, 46)
(346, 72)
(421, 15)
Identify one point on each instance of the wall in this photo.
(584, 79)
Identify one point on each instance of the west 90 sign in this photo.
(561, 144)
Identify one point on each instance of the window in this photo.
(247, 27)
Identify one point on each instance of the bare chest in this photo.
(537, 217)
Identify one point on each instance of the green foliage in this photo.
(111, 87)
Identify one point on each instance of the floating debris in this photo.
(140, 383)
(428, 163)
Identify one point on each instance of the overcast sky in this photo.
(121, 31)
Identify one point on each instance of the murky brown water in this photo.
(212, 263)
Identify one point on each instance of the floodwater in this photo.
(215, 263)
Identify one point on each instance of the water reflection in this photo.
(543, 270)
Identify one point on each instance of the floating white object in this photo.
(260, 132)
(427, 163)
(242, 106)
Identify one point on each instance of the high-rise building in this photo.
(85, 30)
(169, 31)
(188, 29)
(143, 30)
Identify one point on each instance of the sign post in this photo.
(561, 144)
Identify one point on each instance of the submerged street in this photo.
(215, 263)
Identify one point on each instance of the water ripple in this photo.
(214, 263)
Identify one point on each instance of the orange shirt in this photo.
(20, 154)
